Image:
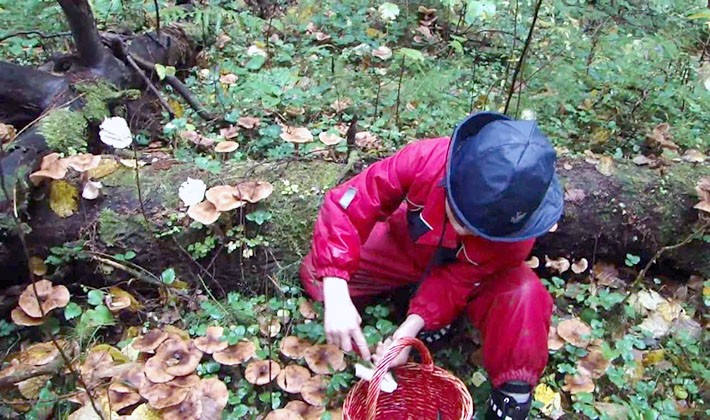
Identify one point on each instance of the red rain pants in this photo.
(511, 309)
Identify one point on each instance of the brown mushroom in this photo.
(292, 378)
(306, 310)
(190, 408)
(51, 167)
(163, 395)
(329, 139)
(575, 384)
(313, 391)
(580, 266)
(214, 397)
(83, 162)
(294, 347)
(50, 297)
(236, 354)
(575, 332)
(254, 191)
(133, 377)
(283, 414)
(296, 135)
(121, 396)
(307, 411)
(178, 357)
(150, 341)
(533, 262)
(560, 265)
(155, 372)
(212, 341)
(324, 358)
(554, 342)
(204, 212)
(261, 372)
(226, 147)
(39, 354)
(20, 318)
(223, 197)
(270, 327)
(248, 122)
(95, 364)
(187, 381)
(229, 133)
(594, 362)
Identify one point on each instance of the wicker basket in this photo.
(424, 392)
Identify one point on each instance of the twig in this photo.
(138, 185)
(528, 40)
(642, 274)
(34, 32)
(399, 89)
(133, 272)
(183, 91)
(50, 368)
(157, 18)
(151, 86)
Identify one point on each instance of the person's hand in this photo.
(409, 328)
(342, 321)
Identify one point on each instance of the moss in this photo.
(113, 227)
(97, 96)
(65, 131)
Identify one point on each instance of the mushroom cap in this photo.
(148, 342)
(248, 122)
(533, 262)
(294, 347)
(224, 198)
(163, 395)
(560, 265)
(20, 318)
(261, 372)
(270, 327)
(187, 381)
(155, 371)
(575, 384)
(133, 377)
(307, 411)
(575, 332)
(51, 297)
(39, 354)
(253, 191)
(324, 357)
(554, 342)
(228, 79)
(189, 408)
(236, 354)
(594, 362)
(121, 396)
(212, 342)
(329, 139)
(313, 391)
(178, 357)
(91, 190)
(382, 52)
(204, 212)
(51, 167)
(228, 133)
(292, 378)
(296, 135)
(197, 138)
(283, 414)
(83, 162)
(214, 397)
(306, 310)
(580, 266)
(226, 147)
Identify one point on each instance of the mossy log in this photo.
(635, 210)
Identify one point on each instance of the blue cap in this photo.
(500, 179)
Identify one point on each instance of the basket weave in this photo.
(424, 391)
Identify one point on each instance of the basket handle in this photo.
(373, 390)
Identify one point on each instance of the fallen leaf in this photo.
(63, 198)
(687, 326)
(7, 133)
(551, 401)
(660, 138)
(606, 275)
(655, 325)
(670, 310)
(144, 412)
(652, 357)
(646, 299)
(575, 195)
(605, 166)
(38, 267)
(641, 160)
(30, 388)
(612, 411)
(106, 167)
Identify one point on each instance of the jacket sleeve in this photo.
(446, 291)
(350, 210)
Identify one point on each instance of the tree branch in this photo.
(83, 28)
(519, 66)
(33, 32)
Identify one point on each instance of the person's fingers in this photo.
(361, 344)
(346, 342)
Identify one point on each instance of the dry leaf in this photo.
(655, 325)
(660, 138)
(7, 133)
(551, 401)
(106, 167)
(605, 166)
(606, 275)
(575, 195)
(38, 267)
(641, 160)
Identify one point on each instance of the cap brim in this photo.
(470, 127)
(540, 222)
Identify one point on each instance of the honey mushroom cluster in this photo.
(54, 167)
(223, 198)
(592, 366)
(31, 306)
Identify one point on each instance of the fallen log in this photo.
(636, 210)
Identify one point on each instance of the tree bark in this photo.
(84, 31)
(25, 93)
(636, 210)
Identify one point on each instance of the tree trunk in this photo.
(636, 210)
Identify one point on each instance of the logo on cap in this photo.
(519, 216)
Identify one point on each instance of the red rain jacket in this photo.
(406, 190)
